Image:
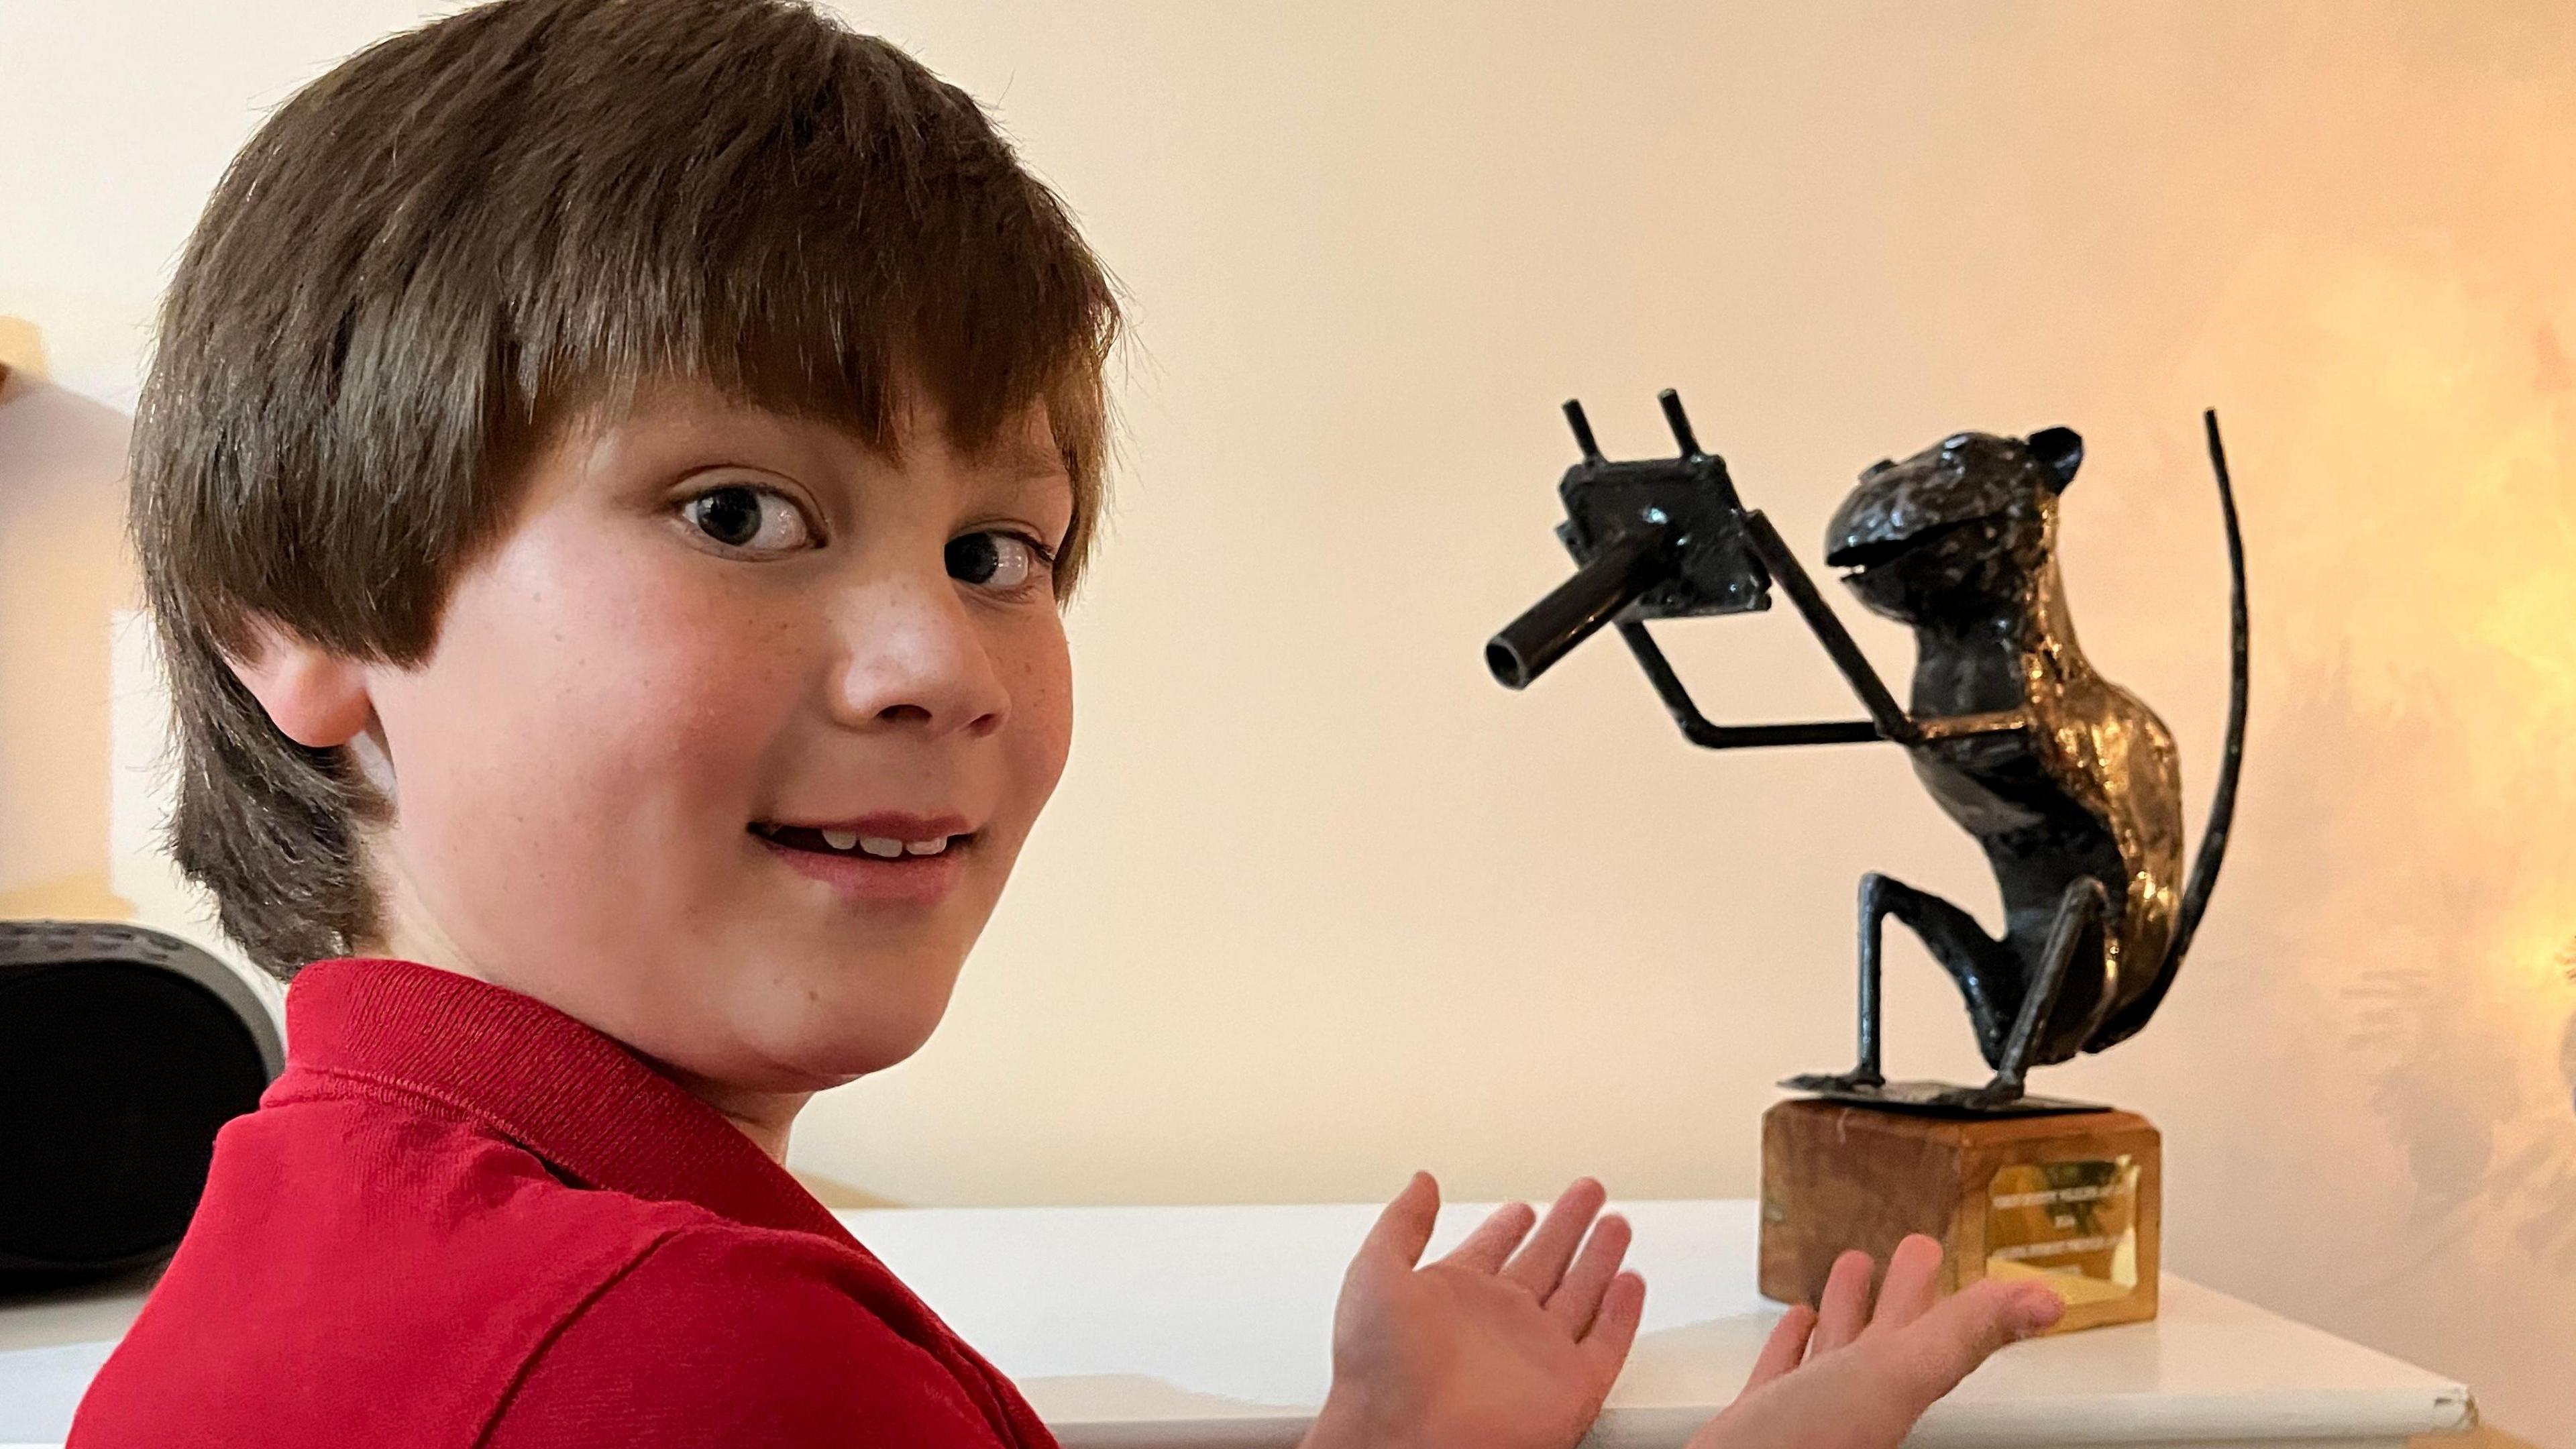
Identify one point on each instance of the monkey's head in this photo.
(1961, 526)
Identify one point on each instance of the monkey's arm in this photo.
(1888, 718)
(1700, 730)
(1887, 721)
(1956, 726)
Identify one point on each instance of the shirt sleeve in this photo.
(718, 1338)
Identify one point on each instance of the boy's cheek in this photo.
(568, 717)
(1042, 698)
(574, 750)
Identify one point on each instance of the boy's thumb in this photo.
(1963, 1330)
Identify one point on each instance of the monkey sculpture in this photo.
(2067, 781)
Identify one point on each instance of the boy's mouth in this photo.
(912, 841)
(885, 860)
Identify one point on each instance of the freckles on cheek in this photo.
(647, 676)
(1042, 696)
(718, 688)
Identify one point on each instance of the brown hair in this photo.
(468, 232)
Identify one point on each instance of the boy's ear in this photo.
(315, 697)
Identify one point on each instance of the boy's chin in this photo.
(812, 1041)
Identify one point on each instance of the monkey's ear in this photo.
(2060, 451)
(1881, 466)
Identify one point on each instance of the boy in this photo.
(605, 486)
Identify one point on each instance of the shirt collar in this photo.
(574, 1096)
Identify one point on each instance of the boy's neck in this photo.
(410, 935)
(764, 1117)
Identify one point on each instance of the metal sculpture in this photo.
(2068, 782)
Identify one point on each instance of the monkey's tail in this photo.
(2222, 804)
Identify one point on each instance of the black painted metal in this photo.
(1616, 577)
(2068, 782)
(1699, 730)
(1658, 538)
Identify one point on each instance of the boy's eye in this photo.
(1000, 562)
(755, 519)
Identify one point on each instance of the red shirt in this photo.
(463, 1218)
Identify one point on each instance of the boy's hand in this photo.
(1487, 1347)
(1838, 1377)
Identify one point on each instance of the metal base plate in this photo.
(1939, 1098)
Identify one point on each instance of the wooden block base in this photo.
(2072, 1198)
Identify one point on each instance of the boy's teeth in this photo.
(880, 846)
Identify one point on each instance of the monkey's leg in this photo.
(2086, 903)
(1977, 961)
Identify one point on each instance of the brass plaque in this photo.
(2072, 1223)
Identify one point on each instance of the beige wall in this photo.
(1319, 903)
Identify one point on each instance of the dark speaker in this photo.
(121, 1051)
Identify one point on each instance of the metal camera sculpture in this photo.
(2068, 781)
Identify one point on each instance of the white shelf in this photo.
(1209, 1326)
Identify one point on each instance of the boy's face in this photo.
(674, 717)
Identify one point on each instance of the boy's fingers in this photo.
(1403, 1230)
(1947, 1343)
(1540, 1264)
(1578, 1298)
(1784, 1349)
(1912, 1282)
(1842, 1310)
(1614, 1328)
(1493, 1240)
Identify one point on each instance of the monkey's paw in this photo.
(1997, 1093)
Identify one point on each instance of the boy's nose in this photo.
(914, 657)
